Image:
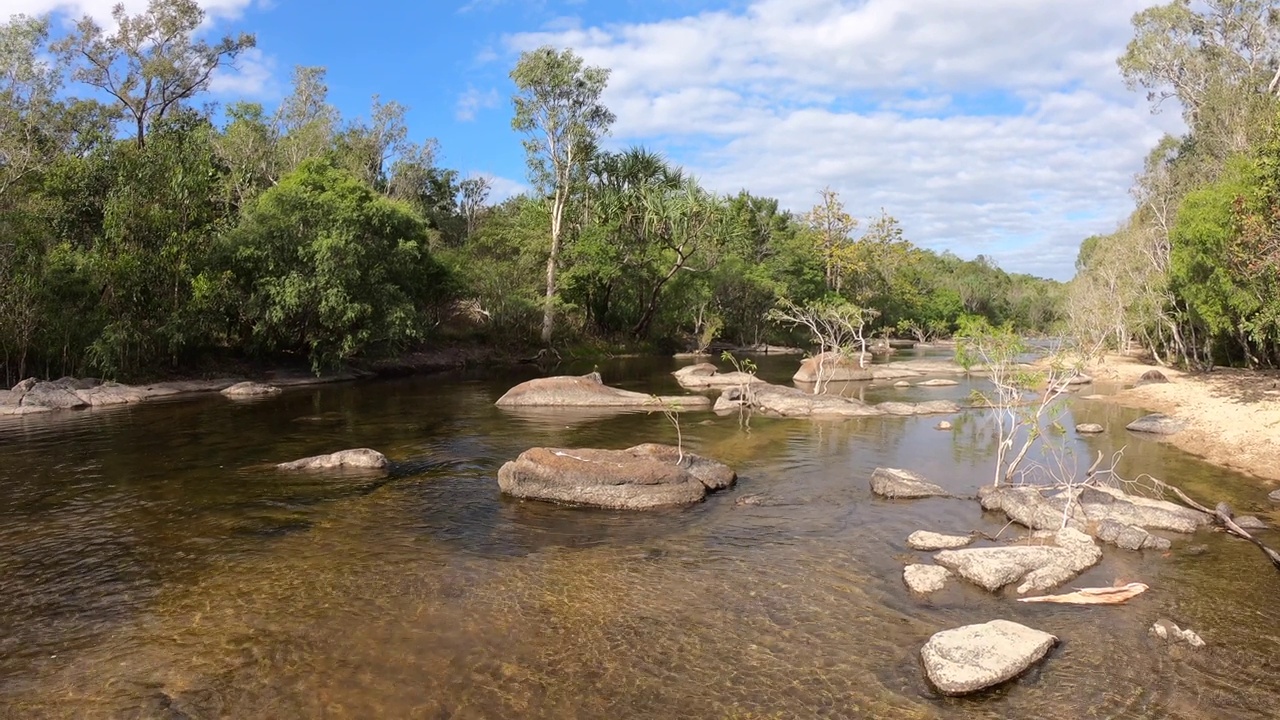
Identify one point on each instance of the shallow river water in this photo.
(154, 565)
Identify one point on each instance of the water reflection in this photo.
(153, 565)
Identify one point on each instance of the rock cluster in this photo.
(1056, 558)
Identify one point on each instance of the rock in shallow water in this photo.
(1059, 557)
(251, 390)
(930, 541)
(641, 477)
(1156, 424)
(894, 483)
(1167, 630)
(925, 579)
(1090, 428)
(590, 391)
(973, 657)
(357, 459)
(937, 382)
(1274, 496)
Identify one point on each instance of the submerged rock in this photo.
(1108, 513)
(1156, 424)
(932, 407)
(930, 541)
(974, 657)
(641, 477)
(251, 390)
(1090, 428)
(357, 459)
(589, 391)
(1167, 630)
(706, 375)
(925, 579)
(1249, 522)
(1060, 557)
(895, 483)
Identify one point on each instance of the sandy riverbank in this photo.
(1232, 416)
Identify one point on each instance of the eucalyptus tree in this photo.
(558, 107)
(832, 228)
(152, 62)
(29, 106)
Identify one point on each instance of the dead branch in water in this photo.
(1221, 517)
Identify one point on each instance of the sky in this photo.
(996, 127)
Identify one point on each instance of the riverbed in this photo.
(153, 564)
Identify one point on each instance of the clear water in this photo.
(154, 565)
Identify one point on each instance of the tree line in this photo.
(143, 230)
(1193, 275)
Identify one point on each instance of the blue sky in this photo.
(992, 126)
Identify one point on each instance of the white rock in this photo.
(973, 657)
(925, 579)
(250, 389)
(937, 382)
(894, 483)
(930, 541)
(359, 458)
(1090, 428)
(1060, 557)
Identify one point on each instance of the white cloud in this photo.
(473, 101)
(991, 126)
(252, 76)
(100, 10)
(501, 188)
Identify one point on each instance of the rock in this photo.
(1090, 428)
(1156, 424)
(894, 483)
(937, 382)
(1152, 376)
(590, 391)
(1063, 555)
(973, 657)
(250, 390)
(114, 394)
(1249, 522)
(902, 384)
(24, 386)
(1195, 550)
(930, 541)
(1091, 506)
(832, 367)
(778, 401)
(1167, 630)
(944, 425)
(357, 459)
(932, 407)
(52, 396)
(641, 477)
(925, 579)
(706, 375)
(1274, 496)
(1079, 379)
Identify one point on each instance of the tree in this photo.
(151, 64)
(558, 106)
(832, 227)
(28, 104)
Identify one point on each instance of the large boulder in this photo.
(249, 389)
(51, 395)
(1109, 514)
(706, 375)
(590, 391)
(357, 459)
(832, 367)
(971, 658)
(638, 478)
(1157, 424)
(894, 483)
(1055, 559)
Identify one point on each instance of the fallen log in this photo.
(1093, 596)
(1224, 518)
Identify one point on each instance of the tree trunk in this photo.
(553, 259)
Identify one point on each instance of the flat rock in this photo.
(251, 390)
(974, 657)
(706, 375)
(1056, 559)
(930, 541)
(590, 391)
(937, 382)
(895, 483)
(925, 579)
(779, 401)
(357, 459)
(1108, 513)
(641, 477)
(1156, 424)
(1166, 630)
(1090, 428)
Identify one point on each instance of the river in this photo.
(154, 565)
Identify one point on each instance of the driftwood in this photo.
(1092, 596)
(1224, 518)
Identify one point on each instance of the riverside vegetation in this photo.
(144, 231)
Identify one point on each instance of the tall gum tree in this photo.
(558, 107)
(152, 63)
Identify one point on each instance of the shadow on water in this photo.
(154, 565)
